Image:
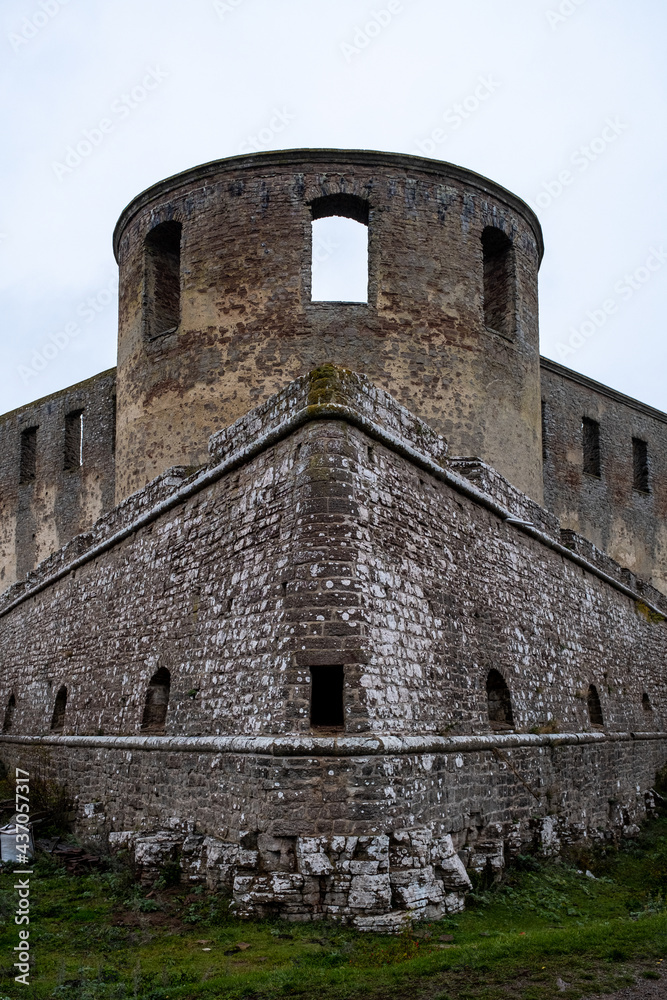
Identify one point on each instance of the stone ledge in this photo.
(324, 746)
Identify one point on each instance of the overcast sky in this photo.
(561, 101)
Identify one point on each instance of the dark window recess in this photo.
(326, 697)
(157, 702)
(58, 718)
(162, 288)
(499, 703)
(640, 465)
(544, 431)
(9, 714)
(590, 438)
(28, 456)
(646, 703)
(498, 254)
(113, 424)
(594, 706)
(73, 439)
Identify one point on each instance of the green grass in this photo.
(103, 937)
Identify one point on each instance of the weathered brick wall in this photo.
(628, 524)
(378, 836)
(327, 546)
(331, 529)
(248, 326)
(40, 516)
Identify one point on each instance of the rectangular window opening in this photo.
(162, 291)
(499, 296)
(544, 431)
(640, 477)
(28, 455)
(73, 458)
(326, 698)
(591, 447)
(339, 267)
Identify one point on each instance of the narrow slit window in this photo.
(544, 431)
(590, 430)
(339, 264)
(646, 703)
(640, 478)
(28, 455)
(73, 440)
(326, 697)
(499, 299)
(157, 702)
(58, 717)
(498, 701)
(594, 706)
(162, 288)
(9, 714)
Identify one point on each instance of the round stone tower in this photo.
(216, 311)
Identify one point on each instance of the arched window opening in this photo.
(157, 702)
(162, 279)
(9, 714)
(646, 703)
(499, 305)
(594, 707)
(339, 266)
(58, 718)
(499, 702)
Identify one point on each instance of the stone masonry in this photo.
(335, 606)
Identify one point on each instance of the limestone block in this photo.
(416, 889)
(122, 840)
(453, 875)
(441, 849)
(385, 923)
(370, 892)
(221, 860)
(276, 853)
(454, 902)
(311, 858)
(153, 851)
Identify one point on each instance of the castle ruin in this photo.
(335, 602)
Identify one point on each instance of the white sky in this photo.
(221, 70)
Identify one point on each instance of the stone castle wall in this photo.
(629, 524)
(41, 512)
(330, 530)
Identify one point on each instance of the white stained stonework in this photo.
(379, 883)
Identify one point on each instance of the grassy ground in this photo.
(102, 936)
